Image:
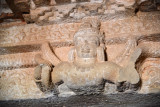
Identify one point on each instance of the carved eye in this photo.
(92, 42)
(79, 41)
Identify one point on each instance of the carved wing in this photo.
(124, 56)
(48, 54)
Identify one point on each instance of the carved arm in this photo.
(128, 75)
(120, 75)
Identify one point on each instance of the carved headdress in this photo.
(90, 27)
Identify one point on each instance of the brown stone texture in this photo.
(140, 25)
(62, 53)
(126, 2)
(32, 32)
(150, 75)
(58, 13)
(51, 10)
(18, 84)
(117, 30)
(23, 5)
(13, 61)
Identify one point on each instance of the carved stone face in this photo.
(86, 46)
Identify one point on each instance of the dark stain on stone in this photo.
(19, 49)
(112, 100)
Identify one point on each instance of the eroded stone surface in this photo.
(117, 100)
(87, 71)
(121, 28)
(18, 84)
(57, 24)
(150, 74)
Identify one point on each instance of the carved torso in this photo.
(81, 80)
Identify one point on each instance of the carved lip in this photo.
(85, 50)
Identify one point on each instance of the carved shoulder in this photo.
(61, 67)
(108, 66)
(110, 71)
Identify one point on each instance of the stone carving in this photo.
(149, 5)
(40, 13)
(148, 64)
(87, 71)
(20, 60)
(47, 11)
(18, 84)
(150, 74)
(22, 34)
(122, 28)
(125, 24)
(78, 11)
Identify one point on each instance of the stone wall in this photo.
(21, 42)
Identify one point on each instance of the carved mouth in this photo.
(85, 50)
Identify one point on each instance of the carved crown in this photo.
(89, 27)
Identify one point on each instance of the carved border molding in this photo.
(136, 26)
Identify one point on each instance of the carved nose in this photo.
(85, 49)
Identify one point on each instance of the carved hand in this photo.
(42, 73)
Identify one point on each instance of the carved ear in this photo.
(100, 54)
(72, 55)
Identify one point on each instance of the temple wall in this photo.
(117, 31)
(17, 82)
(150, 75)
(140, 25)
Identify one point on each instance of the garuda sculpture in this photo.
(87, 71)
